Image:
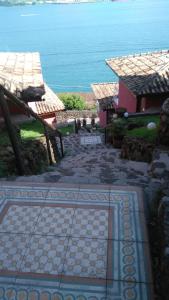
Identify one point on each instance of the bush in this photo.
(73, 101)
(118, 128)
(120, 111)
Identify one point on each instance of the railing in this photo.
(49, 131)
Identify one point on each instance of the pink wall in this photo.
(14, 109)
(126, 98)
(103, 118)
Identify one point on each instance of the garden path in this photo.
(96, 164)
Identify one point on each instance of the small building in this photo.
(143, 80)
(21, 74)
(48, 106)
(106, 95)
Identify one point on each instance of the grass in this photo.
(64, 130)
(145, 120)
(31, 130)
(144, 132)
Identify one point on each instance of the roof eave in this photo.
(107, 63)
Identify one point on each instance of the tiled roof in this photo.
(106, 93)
(20, 70)
(50, 103)
(146, 73)
(105, 90)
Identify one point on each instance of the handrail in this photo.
(143, 114)
(20, 103)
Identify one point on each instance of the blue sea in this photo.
(75, 39)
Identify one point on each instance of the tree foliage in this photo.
(72, 101)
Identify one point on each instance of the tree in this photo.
(72, 101)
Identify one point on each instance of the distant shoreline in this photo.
(8, 3)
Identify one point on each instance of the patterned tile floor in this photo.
(73, 243)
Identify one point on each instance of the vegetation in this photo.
(72, 101)
(144, 120)
(31, 130)
(144, 132)
(67, 129)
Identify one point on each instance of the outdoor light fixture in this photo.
(126, 114)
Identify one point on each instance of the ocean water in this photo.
(74, 40)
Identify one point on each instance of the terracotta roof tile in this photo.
(50, 103)
(20, 70)
(146, 73)
(106, 93)
(105, 90)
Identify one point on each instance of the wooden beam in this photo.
(12, 134)
(47, 127)
(20, 103)
(48, 146)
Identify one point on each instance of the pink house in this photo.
(143, 84)
(106, 95)
(143, 80)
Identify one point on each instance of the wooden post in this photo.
(48, 146)
(105, 135)
(12, 134)
(61, 145)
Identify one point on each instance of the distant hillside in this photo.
(26, 2)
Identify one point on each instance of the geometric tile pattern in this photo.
(11, 251)
(90, 140)
(73, 242)
(86, 258)
(55, 221)
(90, 223)
(44, 255)
(20, 219)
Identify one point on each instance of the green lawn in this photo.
(64, 130)
(31, 130)
(144, 132)
(145, 120)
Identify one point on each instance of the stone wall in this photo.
(137, 149)
(68, 116)
(164, 124)
(163, 227)
(34, 157)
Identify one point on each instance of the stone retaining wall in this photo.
(164, 124)
(163, 224)
(34, 157)
(137, 149)
(68, 116)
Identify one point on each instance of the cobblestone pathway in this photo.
(96, 164)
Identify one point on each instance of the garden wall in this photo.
(164, 124)
(66, 117)
(137, 149)
(34, 155)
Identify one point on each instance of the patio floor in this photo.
(73, 242)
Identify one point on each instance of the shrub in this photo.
(120, 111)
(72, 101)
(118, 128)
